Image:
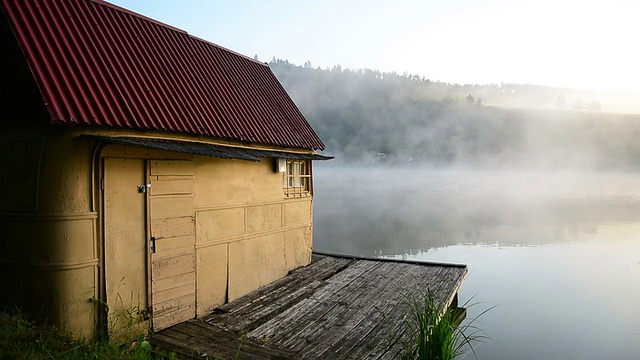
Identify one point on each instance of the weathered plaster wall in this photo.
(48, 255)
(248, 233)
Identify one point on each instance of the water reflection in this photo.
(560, 252)
(398, 211)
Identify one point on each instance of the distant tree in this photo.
(561, 102)
(470, 99)
(255, 57)
(478, 102)
(593, 106)
(577, 104)
(308, 64)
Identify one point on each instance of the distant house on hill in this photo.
(141, 168)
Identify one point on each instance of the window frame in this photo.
(296, 180)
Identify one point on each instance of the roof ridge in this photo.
(131, 12)
(171, 27)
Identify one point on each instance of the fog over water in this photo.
(557, 251)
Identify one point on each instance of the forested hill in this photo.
(368, 116)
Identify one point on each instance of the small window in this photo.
(297, 178)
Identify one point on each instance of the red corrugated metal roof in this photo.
(99, 64)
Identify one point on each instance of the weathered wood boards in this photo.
(334, 308)
(172, 228)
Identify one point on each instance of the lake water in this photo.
(557, 252)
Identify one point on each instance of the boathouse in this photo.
(143, 171)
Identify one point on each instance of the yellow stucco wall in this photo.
(247, 233)
(241, 210)
(48, 252)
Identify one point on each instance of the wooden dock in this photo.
(335, 308)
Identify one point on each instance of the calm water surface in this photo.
(558, 252)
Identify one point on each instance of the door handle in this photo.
(153, 244)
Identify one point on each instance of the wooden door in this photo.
(125, 247)
(172, 226)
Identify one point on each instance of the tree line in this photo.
(368, 116)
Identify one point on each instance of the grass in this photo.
(438, 333)
(21, 338)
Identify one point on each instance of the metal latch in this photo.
(142, 188)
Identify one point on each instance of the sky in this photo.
(580, 44)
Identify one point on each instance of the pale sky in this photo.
(583, 44)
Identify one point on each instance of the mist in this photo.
(391, 211)
(534, 188)
(367, 117)
(433, 164)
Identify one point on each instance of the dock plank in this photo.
(358, 302)
(365, 321)
(309, 312)
(420, 284)
(254, 309)
(335, 308)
